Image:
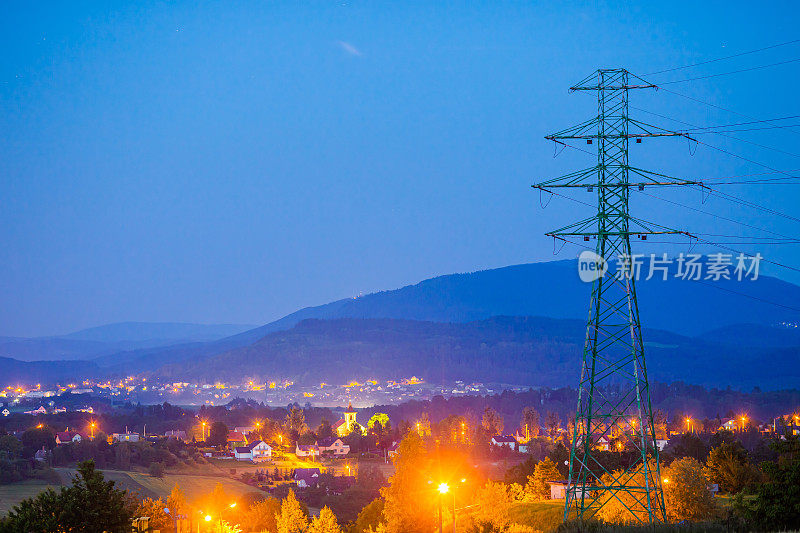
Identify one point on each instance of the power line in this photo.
(692, 98)
(722, 134)
(759, 67)
(723, 58)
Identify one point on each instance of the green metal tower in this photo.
(614, 414)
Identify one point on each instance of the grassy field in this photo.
(141, 484)
(11, 495)
(543, 516)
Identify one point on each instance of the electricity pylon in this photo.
(614, 413)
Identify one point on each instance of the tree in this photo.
(176, 501)
(410, 502)
(493, 504)
(154, 509)
(261, 516)
(296, 420)
(156, 469)
(89, 504)
(370, 516)
(492, 422)
(218, 435)
(620, 506)
(727, 465)
(378, 418)
(775, 506)
(291, 519)
(324, 430)
(37, 438)
(686, 494)
(553, 422)
(324, 523)
(538, 487)
(530, 420)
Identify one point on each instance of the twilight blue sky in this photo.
(234, 161)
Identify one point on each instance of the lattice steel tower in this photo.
(614, 412)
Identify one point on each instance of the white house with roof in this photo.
(507, 441)
(333, 444)
(242, 453)
(260, 450)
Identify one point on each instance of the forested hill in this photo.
(530, 351)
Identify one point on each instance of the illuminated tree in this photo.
(686, 494)
(176, 502)
(410, 498)
(291, 519)
(492, 422)
(370, 516)
(423, 427)
(324, 523)
(378, 418)
(615, 505)
(530, 420)
(295, 420)
(538, 487)
(493, 504)
(261, 516)
(154, 509)
(727, 465)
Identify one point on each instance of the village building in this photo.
(507, 441)
(307, 450)
(242, 453)
(177, 434)
(64, 437)
(345, 425)
(260, 450)
(235, 439)
(333, 445)
(125, 437)
(306, 477)
(392, 451)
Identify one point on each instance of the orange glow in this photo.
(443, 488)
(208, 518)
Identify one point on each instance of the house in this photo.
(523, 435)
(333, 444)
(307, 450)
(729, 424)
(306, 477)
(42, 455)
(5, 412)
(244, 430)
(64, 437)
(177, 434)
(243, 453)
(558, 489)
(236, 439)
(260, 450)
(603, 443)
(504, 440)
(40, 411)
(661, 444)
(345, 425)
(125, 437)
(392, 451)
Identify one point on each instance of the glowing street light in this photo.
(443, 488)
(689, 424)
(204, 430)
(91, 428)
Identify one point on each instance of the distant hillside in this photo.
(14, 371)
(156, 331)
(515, 350)
(549, 289)
(553, 289)
(113, 338)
